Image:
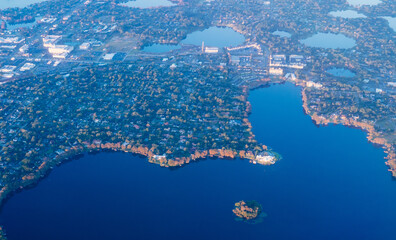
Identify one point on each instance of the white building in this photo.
(7, 69)
(313, 84)
(60, 51)
(291, 76)
(27, 67)
(50, 40)
(173, 66)
(211, 50)
(60, 55)
(276, 71)
(278, 60)
(265, 159)
(235, 60)
(14, 40)
(8, 75)
(47, 20)
(160, 157)
(296, 61)
(108, 56)
(85, 46)
(24, 48)
(293, 61)
(65, 18)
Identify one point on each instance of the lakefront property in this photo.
(114, 85)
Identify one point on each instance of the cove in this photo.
(330, 184)
(329, 40)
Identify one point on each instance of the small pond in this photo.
(363, 2)
(329, 40)
(282, 33)
(148, 3)
(347, 14)
(215, 37)
(341, 72)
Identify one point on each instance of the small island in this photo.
(2, 234)
(247, 210)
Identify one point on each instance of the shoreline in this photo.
(163, 161)
(75, 152)
(3, 236)
(96, 146)
(373, 136)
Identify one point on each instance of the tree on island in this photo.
(247, 210)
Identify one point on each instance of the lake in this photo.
(215, 37)
(347, 14)
(392, 22)
(330, 184)
(329, 40)
(23, 25)
(341, 72)
(17, 3)
(364, 2)
(148, 3)
(20, 25)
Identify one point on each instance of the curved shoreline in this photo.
(372, 135)
(3, 236)
(142, 151)
(72, 152)
(96, 146)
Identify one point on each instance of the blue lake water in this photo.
(148, 3)
(363, 2)
(392, 22)
(329, 40)
(21, 25)
(17, 3)
(341, 72)
(160, 48)
(330, 184)
(212, 37)
(215, 37)
(347, 14)
(282, 33)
